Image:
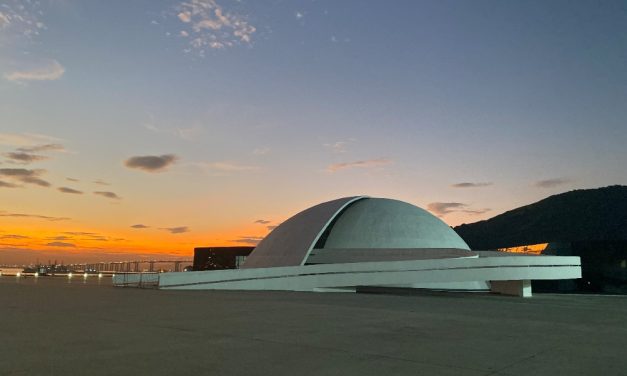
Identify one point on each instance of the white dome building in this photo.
(354, 242)
(357, 229)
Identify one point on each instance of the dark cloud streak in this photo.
(69, 190)
(151, 163)
(176, 230)
(4, 184)
(106, 194)
(61, 244)
(25, 176)
(24, 158)
(14, 237)
(35, 216)
(551, 183)
(471, 185)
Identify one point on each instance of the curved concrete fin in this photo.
(291, 242)
(331, 220)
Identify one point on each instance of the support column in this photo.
(520, 288)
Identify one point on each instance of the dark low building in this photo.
(218, 258)
(603, 267)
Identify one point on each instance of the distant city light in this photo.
(18, 274)
(69, 275)
(99, 275)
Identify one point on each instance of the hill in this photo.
(584, 214)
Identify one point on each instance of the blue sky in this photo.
(272, 106)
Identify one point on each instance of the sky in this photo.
(141, 129)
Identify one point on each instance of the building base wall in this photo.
(422, 273)
(521, 288)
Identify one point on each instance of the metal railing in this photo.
(140, 280)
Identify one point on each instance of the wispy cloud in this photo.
(550, 183)
(5, 21)
(207, 25)
(252, 240)
(80, 233)
(21, 19)
(45, 71)
(4, 184)
(371, 163)
(261, 151)
(176, 230)
(60, 237)
(42, 148)
(272, 227)
(14, 237)
(24, 158)
(34, 216)
(101, 182)
(262, 221)
(31, 142)
(61, 244)
(107, 194)
(139, 226)
(25, 176)
(188, 133)
(339, 147)
(27, 147)
(69, 190)
(337, 39)
(225, 166)
(83, 235)
(151, 163)
(471, 185)
(443, 208)
(72, 180)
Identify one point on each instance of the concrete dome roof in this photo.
(386, 223)
(353, 223)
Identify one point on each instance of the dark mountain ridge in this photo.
(583, 214)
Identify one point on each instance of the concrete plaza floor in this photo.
(51, 327)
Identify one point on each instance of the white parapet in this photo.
(392, 273)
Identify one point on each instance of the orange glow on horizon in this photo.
(102, 245)
(535, 249)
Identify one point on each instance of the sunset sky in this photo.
(140, 129)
